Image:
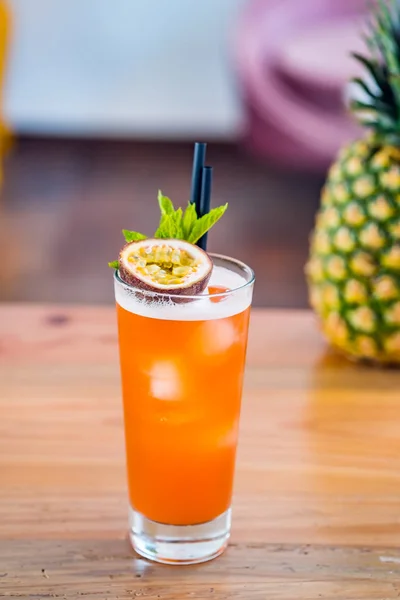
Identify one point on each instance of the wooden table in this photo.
(317, 503)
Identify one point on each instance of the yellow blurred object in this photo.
(5, 27)
(7, 239)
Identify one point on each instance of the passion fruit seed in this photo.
(163, 264)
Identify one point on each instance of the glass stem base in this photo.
(179, 544)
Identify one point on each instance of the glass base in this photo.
(179, 544)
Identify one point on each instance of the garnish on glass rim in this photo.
(165, 266)
(177, 224)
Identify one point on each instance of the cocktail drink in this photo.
(182, 364)
(183, 317)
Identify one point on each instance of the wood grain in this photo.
(108, 569)
(317, 500)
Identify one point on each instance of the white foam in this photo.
(200, 309)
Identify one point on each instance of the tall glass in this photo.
(182, 364)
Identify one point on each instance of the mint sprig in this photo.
(177, 224)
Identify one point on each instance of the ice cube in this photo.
(217, 337)
(165, 382)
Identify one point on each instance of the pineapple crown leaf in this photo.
(368, 91)
(379, 107)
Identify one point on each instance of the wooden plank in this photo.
(108, 569)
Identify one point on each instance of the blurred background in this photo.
(105, 99)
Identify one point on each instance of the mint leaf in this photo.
(133, 236)
(189, 219)
(205, 223)
(167, 227)
(171, 220)
(177, 216)
(166, 206)
(114, 264)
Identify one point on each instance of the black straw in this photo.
(198, 164)
(205, 200)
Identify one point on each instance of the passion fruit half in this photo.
(165, 266)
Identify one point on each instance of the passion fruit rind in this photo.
(166, 266)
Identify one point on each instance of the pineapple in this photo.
(354, 267)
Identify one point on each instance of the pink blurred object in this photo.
(293, 62)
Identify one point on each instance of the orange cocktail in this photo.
(182, 367)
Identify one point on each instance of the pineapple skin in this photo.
(353, 270)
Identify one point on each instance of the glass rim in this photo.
(248, 270)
